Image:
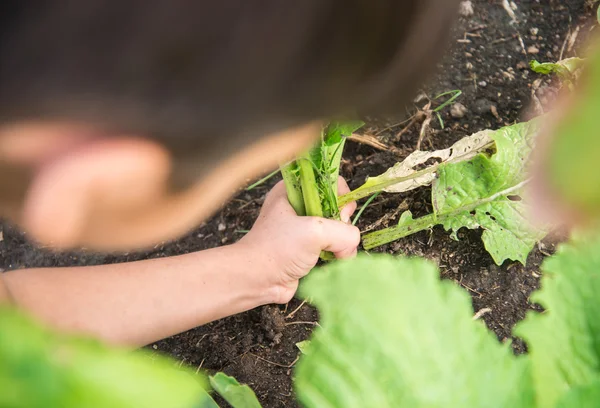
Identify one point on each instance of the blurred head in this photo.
(124, 123)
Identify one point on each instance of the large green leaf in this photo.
(564, 342)
(587, 396)
(236, 394)
(481, 193)
(394, 335)
(475, 194)
(41, 369)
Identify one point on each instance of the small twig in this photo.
(274, 363)
(482, 312)
(262, 180)
(423, 132)
(470, 289)
(564, 44)
(477, 28)
(391, 127)
(415, 118)
(371, 141)
(293, 312)
(200, 366)
(387, 216)
(511, 13)
(572, 39)
(309, 323)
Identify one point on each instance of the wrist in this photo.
(259, 271)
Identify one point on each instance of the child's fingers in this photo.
(333, 236)
(277, 198)
(349, 208)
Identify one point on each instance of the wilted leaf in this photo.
(464, 149)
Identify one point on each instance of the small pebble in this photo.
(534, 31)
(221, 227)
(522, 65)
(458, 111)
(533, 50)
(465, 8)
(482, 84)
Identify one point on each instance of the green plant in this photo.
(236, 394)
(483, 192)
(39, 368)
(566, 70)
(311, 180)
(412, 340)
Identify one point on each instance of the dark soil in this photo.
(487, 62)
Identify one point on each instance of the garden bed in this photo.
(488, 63)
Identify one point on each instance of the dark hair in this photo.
(212, 76)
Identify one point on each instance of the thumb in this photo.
(337, 237)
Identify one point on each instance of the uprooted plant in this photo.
(311, 180)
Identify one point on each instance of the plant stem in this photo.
(293, 188)
(310, 191)
(262, 180)
(365, 205)
(387, 235)
(367, 190)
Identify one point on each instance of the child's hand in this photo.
(288, 246)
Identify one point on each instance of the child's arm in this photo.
(141, 302)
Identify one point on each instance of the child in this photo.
(126, 123)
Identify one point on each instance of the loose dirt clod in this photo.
(458, 111)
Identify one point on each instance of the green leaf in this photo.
(475, 192)
(237, 395)
(582, 397)
(564, 342)
(410, 342)
(39, 368)
(565, 69)
(303, 346)
(335, 131)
